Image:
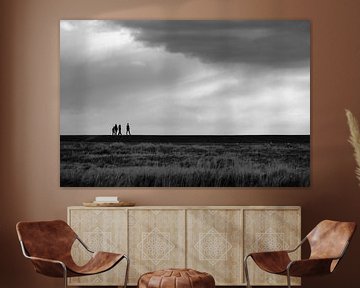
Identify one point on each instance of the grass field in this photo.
(263, 163)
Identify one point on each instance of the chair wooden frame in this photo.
(55, 264)
(315, 265)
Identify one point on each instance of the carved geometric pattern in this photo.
(269, 241)
(131, 220)
(213, 246)
(98, 240)
(155, 246)
(213, 212)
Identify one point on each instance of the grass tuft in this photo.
(94, 164)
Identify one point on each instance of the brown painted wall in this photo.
(29, 119)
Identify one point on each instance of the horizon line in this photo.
(195, 135)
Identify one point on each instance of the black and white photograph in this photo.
(184, 103)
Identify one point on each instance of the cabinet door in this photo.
(214, 244)
(156, 240)
(100, 230)
(271, 230)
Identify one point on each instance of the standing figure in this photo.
(119, 130)
(114, 130)
(128, 129)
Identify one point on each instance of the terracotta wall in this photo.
(29, 119)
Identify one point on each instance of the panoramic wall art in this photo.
(185, 103)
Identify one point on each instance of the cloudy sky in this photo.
(185, 77)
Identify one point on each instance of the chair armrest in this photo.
(298, 246)
(280, 251)
(271, 261)
(268, 254)
(309, 267)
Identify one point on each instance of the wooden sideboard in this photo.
(212, 239)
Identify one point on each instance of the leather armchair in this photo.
(48, 245)
(328, 243)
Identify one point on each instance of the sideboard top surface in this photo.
(193, 207)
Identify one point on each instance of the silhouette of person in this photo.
(115, 128)
(128, 129)
(119, 130)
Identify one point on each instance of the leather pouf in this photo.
(176, 278)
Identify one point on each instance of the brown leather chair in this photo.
(48, 245)
(328, 242)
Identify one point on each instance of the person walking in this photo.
(128, 129)
(114, 130)
(119, 130)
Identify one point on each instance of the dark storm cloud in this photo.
(270, 43)
(185, 77)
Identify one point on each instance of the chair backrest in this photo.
(46, 239)
(329, 239)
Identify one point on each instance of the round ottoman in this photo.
(176, 278)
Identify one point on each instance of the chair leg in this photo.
(288, 278)
(65, 276)
(246, 270)
(127, 271)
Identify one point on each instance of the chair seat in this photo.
(99, 262)
(272, 262)
(277, 262)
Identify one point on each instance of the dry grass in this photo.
(94, 164)
(354, 140)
